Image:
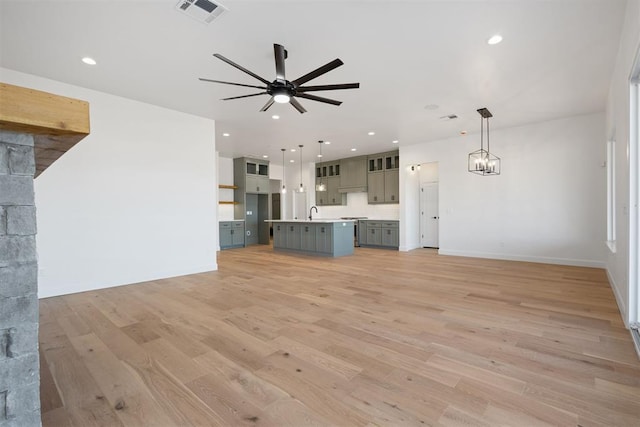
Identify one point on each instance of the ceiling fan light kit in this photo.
(284, 91)
(483, 162)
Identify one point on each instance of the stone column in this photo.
(19, 370)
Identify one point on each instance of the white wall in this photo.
(134, 201)
(548, 205)
(618, 125)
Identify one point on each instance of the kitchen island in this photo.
(322, 237)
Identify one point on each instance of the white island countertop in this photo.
(315, 220)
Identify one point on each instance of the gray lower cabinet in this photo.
(293, 236)
(333, 238)
(231, 234)
(374, 235)
(383, 234)
(323, 238)
(308, 237)
(390, 236)
(279, 235)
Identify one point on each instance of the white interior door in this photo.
(429, 215)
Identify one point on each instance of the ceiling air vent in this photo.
(202, 10)
(448, 117)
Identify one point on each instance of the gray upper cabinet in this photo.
(376, 187)
(334, 197)
(377, 175)
(391, 186)
(383, 177)
(354, 175)
(252, 175)
(329, 174)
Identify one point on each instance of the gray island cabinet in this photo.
(331, 238)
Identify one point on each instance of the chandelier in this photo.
(481, 161)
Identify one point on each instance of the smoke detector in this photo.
(201, 10)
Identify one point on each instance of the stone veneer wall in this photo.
(19, 369)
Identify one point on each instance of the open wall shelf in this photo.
(227, 187)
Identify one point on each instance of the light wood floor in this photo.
(378, 338)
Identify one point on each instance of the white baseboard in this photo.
(525, 258)
(619, 300)
(635, 334)
(46, 290)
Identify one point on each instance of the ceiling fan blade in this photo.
(229, 83)
(267, 105)
(318, 72)
(244, 96)
(280, 55)
(241, 68)
(297, 105)
(328, 87)
(318, 98)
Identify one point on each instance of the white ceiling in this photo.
(556, 60)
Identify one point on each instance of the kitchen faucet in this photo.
(311, 212)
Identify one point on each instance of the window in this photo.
(611, 195)
(634, 197)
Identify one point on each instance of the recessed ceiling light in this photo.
(327, 142)
(225, 134)
(395, 141)
(371, 133)
(293, 150)
(495, 39)
(275, 117)
(89, 61)
(292, 161)
(353, 149)
(463, 132)
(431, 107)
(319, 155)
(265, 156)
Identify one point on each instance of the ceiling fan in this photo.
(282, 90)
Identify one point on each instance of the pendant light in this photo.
(301, 186)
(284, 189)
(481, 161)
(320, 186)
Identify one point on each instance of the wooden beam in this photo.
(57, 121)
(36, 112)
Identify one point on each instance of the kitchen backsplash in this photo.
(357, 205)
